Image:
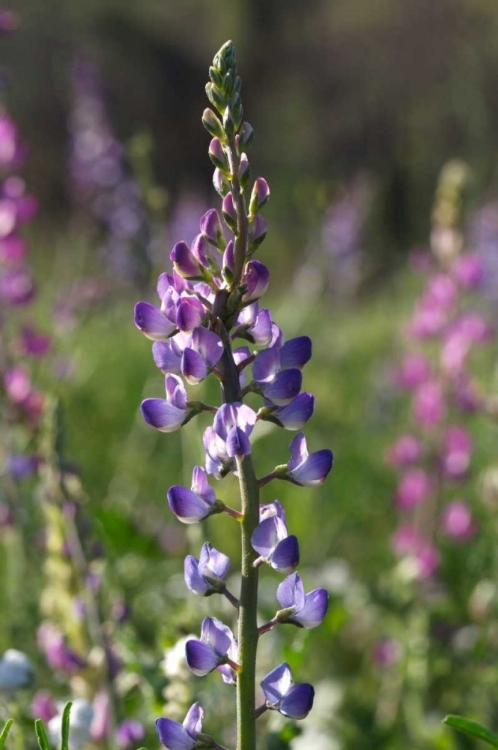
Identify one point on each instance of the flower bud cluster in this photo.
(207, 304)
(434, 458)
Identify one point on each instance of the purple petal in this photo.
(267, 535)
(290, 593)
(286, 555)
(256, 277)
(273, 509)
(295, 415)
(165, 358)
(200, 657)
(237, 443)
(296, 352)
(173, 736)
(217, 635)
(188, 315)
(261, 331)
(298, 450)
(314, 470)
(175, 391)
(266, 365)
(298, 701)
(213, 563)
(208, 344)
(193, 367)
(201, 486)
(162, 415)
(314, 609)
(152, 322)
(211, 228)
(284, 387)
(194, 580)
(277, 683)
(186, 505)
(192, 722)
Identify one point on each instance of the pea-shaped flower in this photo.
(176, 736)
(194, 358)
(167, 414)
(307, 469)
(228, 437)
(293, 416)
(191, 506)
(277, 370)
(272, 542)
(215, 649)
(205, 576)
(294, 701)
(303, 610)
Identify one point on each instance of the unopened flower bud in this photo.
(244, 171)
(213, 124)
(245, 137)
(259, 196)
(228, 262)
(229, 212)
(184, 262)
(220, 183)
(257, 232)
(216, 97)
(218, 156)
(212, 229)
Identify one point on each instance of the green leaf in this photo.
(5, 732)
(41, 735)
(65, 726)
(472, 729)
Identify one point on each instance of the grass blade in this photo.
(472, 729)
(66, 714)
(5, 732)
(41, 735)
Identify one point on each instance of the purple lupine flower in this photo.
(414, 488)
(152, 322)
(294, 701)
(212, 229)
(293, 416)
(168, 414)
(277, 370)
(406, 450)
(272, 542)
(192, 506)
(194, 356)
(428, 404)
(458, 522)
(175, 736)
(306, 610)
(228, 437)
(456, 452)
(206, 575)
(213, 649)
(256, 278)
(128, 733)
(58, 654)
(255, 325)
(305, 469)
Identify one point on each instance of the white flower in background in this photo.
(174, 664)
(16, 670)
(80, 723)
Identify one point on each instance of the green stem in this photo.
(248, 604)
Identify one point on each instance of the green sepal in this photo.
(5, 732)
(471, 729)
(213, 125)
(228, 122)
(215, 76)
(245, 137)
(216, 97)
(41, 735)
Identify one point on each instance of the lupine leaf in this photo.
(5, 732)
(65, 726)
(41, 735)
(472, 729)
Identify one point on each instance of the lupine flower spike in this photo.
(209, 299)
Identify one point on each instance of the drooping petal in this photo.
(158, 413)
(173, 736)
(296, 352)
(298, 701)
(267, 535)
(286, 555)
(284, 387)
(295, 415)
(314, 470)
(152, 322)
(188, 315)
(186, 505)
(266, 365)
(217, 635)
(313, 611)
(200, 657)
